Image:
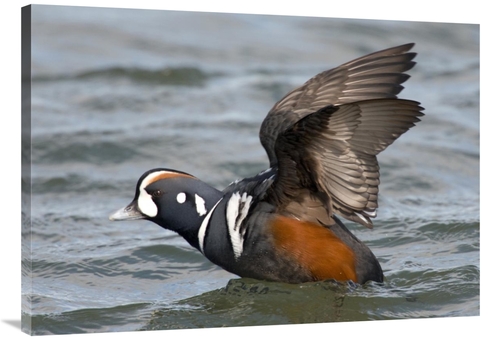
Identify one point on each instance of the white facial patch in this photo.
(200, 205)
(181, 197)
(146, 205)
(145, 201)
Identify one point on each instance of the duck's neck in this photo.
(186, 219)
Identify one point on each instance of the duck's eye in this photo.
(156, 193)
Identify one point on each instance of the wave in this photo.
(179, 76)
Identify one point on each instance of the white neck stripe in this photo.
(203, 227)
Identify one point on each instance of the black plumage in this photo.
(322, 140)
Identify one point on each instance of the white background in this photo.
(477, 12)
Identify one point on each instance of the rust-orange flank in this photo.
(315, 248)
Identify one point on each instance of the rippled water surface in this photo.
(118, 92)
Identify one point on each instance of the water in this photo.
(118, 92)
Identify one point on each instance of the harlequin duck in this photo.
(283, 224)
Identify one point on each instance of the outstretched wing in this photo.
(332, 154)
(374, 76)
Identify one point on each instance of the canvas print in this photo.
(201, 170)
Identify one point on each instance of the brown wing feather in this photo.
(377, 75)
(332, 154)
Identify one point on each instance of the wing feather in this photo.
(374, 76)
(332, 153)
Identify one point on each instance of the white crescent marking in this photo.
(204, 225)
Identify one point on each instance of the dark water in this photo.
(118, 92)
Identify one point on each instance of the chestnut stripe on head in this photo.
(162, 174)
(145, 202)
